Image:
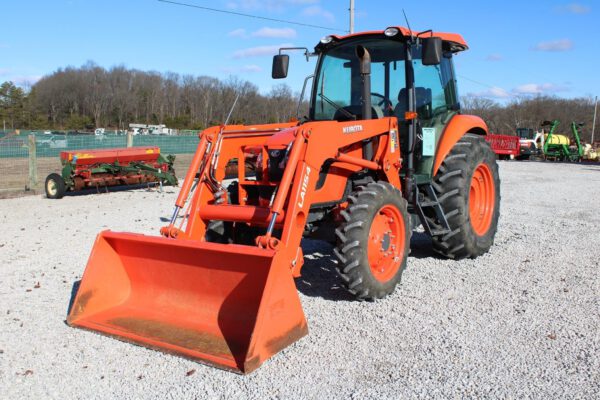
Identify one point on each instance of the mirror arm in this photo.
(302, 94)
(307, 54)
(424, 32)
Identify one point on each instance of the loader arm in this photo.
(313, 144)
(229, 305)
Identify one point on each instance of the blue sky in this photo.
(516, 47)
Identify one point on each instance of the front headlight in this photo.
(391, 32)
(327, 39)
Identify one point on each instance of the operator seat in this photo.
(424, 103)
(340, 116)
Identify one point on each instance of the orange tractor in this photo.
(384, 148)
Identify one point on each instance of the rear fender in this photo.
(458, 126)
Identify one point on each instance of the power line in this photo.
(488, 86)
(252, 16)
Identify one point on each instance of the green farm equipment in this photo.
(559, 147)
(110, 167)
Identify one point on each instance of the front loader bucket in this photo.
(230, 306)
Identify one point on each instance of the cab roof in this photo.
(453, 41)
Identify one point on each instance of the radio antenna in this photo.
(232, 107)
(408, 24)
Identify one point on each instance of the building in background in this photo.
(143, 129)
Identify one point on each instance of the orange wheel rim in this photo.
(482, 198)
(386, 243)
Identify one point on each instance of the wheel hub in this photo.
(482, 198)
(51, 187)
(386, 243)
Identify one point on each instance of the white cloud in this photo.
(281, 33)
(251, 68)
(11, 75)
(494, 57)
(248, 69)
(539, 88)
(237, 33)
(555, 45)
(494, 93)
(260, 51)
(528, 89)
(318, 11)
(269, 5)
(24, 79)
(575, 8)
(266, 32)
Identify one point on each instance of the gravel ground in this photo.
(520, 321)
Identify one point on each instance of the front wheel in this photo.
(468, 188)
(55, 186)
(373, 241)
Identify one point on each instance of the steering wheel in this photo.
(384, 100)
(385, 105)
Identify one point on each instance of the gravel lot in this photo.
(520, 321)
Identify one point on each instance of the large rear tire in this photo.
(468, 188)
(373, 241)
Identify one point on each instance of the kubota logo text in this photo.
(352, 129)
(304, 187)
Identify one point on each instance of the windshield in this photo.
(338, 84)
(338, 87)
(525, 133)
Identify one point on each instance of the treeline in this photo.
(531, 112)
(92, 96)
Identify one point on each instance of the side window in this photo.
(397, 83)
(435, 88)
(449, 80)
(377, 78)
(392, 75)
(334, 82)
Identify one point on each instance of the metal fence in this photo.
(43, 132)
(20, 167)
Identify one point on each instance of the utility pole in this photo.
(594, 123)
(351, 16)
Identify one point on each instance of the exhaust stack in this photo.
(364, 59)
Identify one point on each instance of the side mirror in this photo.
(432, 50)
(280, 66)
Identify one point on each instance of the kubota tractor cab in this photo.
(384, 140)
(410, 76)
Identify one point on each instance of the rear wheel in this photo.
(468, 188)
(373, 241)
(55, 186)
